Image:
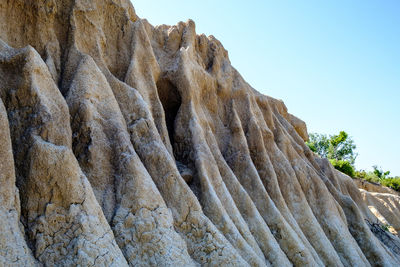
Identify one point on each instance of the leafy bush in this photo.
(343, 166)
(360, 174)
(371, 177)
(380, 177)
(339, 149)
(368, 176)
(393, 183)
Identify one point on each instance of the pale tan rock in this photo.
(64, 223)
(386, 207)
(142, 223)
(142, 146)
(374, 187)
(13, 248)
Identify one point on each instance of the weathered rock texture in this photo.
(383, 202)
(127, 144)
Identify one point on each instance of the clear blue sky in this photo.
(336, 64)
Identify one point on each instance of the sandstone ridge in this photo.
(127, 144)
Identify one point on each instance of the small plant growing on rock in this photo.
(385, 227)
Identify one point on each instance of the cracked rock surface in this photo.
(124, 144)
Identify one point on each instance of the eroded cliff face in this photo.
(127, 144)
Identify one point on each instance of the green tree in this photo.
(339, 149)
(319, 143)
(379, 173)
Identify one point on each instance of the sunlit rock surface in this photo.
(123, 144)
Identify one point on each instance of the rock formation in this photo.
(127, 144)
(383, 202)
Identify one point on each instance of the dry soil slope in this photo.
(128, 144)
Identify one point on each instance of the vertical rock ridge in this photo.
(14, 251)
(63, 221)
(129, 144)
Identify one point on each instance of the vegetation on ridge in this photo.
(340, 150)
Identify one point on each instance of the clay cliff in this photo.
(124, 144)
